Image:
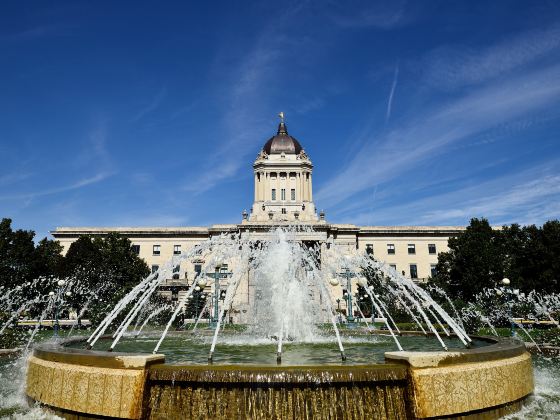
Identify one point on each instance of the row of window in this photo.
(177, 269)
(156, 249)
(413, 270)
(283, 194)
(411, 249)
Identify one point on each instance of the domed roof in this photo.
(282, 142)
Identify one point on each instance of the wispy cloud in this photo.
(151, 106)
(208, 179)
(381, 14)
(433, 130)
(36, 32)
(73, 186)
(392, 93)
(311, 104)
(531, 196)
(515, 200)
(455, 66)
(243, 105)
(14, 178)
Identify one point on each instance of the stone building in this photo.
(283, 195)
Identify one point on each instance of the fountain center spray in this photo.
(287, 303)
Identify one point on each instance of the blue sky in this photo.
(414, 113)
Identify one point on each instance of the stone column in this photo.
(305, 186)
(310, 187)
(257, 184)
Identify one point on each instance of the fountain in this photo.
(274, 345)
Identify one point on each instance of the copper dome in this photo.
(282, 142)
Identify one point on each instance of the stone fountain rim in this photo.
(499, 349)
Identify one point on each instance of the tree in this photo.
(533, 256)
(104, 269)
(48, 260)
(476, 260)
(17, 252)
(481, 257)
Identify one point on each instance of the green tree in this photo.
(476, 259)
(104, 269)
(48, 260)
(533, 256)
(17, 252)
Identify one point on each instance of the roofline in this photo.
(65, 231)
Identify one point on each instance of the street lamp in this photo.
(346, 273)
(217, 275)
(197, 295)
(339, 316)
(61, 284)
(508, 295)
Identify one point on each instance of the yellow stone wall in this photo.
(100, 391)
(461, 388)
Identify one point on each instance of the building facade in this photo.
(283, 196)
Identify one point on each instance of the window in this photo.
(369, 249)
(411, 249)
(135, 249)
(197, 270)
(176, 249)
(176, 270)
(283, 194)
(413, 271)
(155, 268)
(432, 248)
(284, 211)
(390, 248)
(157, 250)
(433, 270)
(274, 194)
(393, 266)
(293, 194)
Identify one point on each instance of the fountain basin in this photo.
(487, 381)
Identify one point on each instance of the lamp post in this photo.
(197, 291)
(217, 275)
(60, 284)
(346, 273)
(509, 292)
(339, 316)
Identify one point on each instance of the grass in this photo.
(541, 336)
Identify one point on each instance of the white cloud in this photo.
(243, 103)
(14, 178)
(381, 14)
(151, 106)
(73, 186)
(433, 130)
(392, 93)
(532, 196)
(454, 66)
